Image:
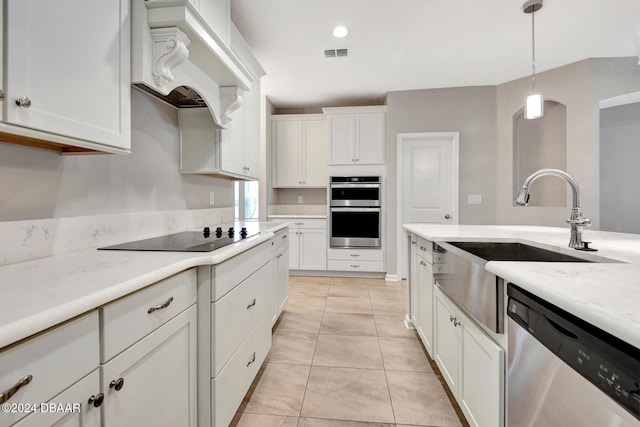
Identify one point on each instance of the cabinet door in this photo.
(71, 59)
(232, 144)
(414, 287)
(282, 280)
(288, 144)
(159, 374)
(315, 153)
(447, 342)
(342, 135)
(251, 143)
(425, 306)
(481, 386)
(313, 249)
(75, 410)
(294, 249)
(370, 136)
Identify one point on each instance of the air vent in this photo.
(332, 53)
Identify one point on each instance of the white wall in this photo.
(38, 184)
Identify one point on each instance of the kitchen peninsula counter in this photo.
(41, 293)
(605, 293)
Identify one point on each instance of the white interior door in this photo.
(427, 182)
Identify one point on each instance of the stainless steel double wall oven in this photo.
(355, 219)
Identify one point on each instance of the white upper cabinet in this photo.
(66, 76)
(299, 150)
(356, 135)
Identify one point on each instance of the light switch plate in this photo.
(474, 199)
(211, 198)
(299, 199)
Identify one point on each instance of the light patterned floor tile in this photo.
(292, 347)
(259, 420)
(403, 354)
(348, 305)
(348, 352)
(280, 390)
(348, 324)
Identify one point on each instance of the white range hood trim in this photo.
(182, 41)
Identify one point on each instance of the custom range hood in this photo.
(191, 57)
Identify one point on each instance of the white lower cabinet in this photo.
(471, 363)
(282, 281)
(153, 381)
(357, 260)
(71, 408)
(308, 244)
(148, 364)
(425, 304)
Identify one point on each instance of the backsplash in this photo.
(297, 209)
(31, 239)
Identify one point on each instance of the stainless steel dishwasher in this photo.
(564, 372)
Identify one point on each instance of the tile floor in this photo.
(341, 357)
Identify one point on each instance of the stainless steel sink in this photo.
(496, 251)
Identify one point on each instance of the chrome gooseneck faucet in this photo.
(577, 221)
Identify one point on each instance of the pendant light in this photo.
(534, 107)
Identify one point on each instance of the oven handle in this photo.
(355, 185)
(355, 209)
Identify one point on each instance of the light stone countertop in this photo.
(286, 216)
(606, 295)
(38, 294)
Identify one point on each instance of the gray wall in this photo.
(619, 172)
(37, 184)
(468, 110)
(310, 196)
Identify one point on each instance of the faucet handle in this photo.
(580, 221)
(585, 247)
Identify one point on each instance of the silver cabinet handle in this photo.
(161, 306)
(117, 384)
(252, 304)
(2, 96)
(456, 323)
(354, 255)
(422, 248)
(253, 359)
(354, 266)
(23, 101)
(284, 237)
(451, 317)
(423, 263)
(96, 400)
(298, 223)
(447, 216)
(6, 395)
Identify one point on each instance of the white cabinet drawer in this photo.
(307, 223)
(55, 359)
(238, 312)
(127, 320)
(235, 270)
(425, 249)
(355, 254)
(230, 386)
(280, 241)
(370, 266)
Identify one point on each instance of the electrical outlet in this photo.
(211, 198)
(299, 199)
(474, 199)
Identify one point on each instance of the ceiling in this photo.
(421, 44)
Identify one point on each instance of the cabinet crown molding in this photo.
(355, 110)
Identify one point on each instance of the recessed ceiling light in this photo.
(340, 31)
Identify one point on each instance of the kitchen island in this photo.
(453, 294)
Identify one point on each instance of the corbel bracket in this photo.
(230, 101)
(169, 50)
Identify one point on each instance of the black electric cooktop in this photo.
(206, 240)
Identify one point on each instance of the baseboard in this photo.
(393, 278)
(408, 323)
(334, 273)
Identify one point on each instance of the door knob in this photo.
(447, 216)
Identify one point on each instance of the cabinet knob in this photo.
(251, 304)
(451, 317)
(96, 400)
(456, 323)
(23, 102)
(447, 216)
(2, 96)
(117, 384)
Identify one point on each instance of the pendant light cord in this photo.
(533, 51)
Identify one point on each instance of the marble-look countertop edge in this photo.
(170, 263)
(305, 216)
